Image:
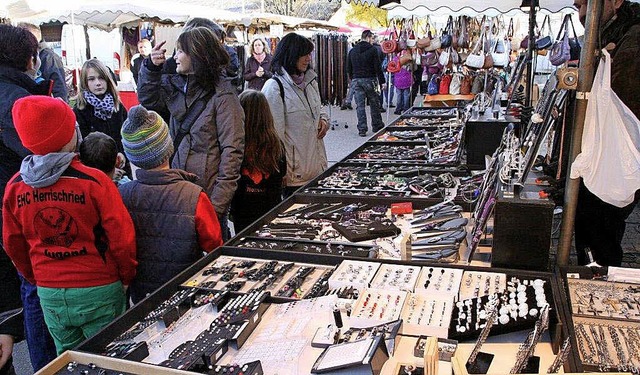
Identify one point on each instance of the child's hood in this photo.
(40, 171)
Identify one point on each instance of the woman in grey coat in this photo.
(207, 121)
(294, 100)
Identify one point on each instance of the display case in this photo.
(213, 328)
(602, 319)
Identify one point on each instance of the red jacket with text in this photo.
(76, 233)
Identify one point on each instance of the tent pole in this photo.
(73, 38)
(588, 59)
(530, 52)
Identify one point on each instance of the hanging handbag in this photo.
(463, 40)
(574, 43)
(475, 59)
(424, 42)
(434, 85)
(394, 66)
(560, 52)
(445, 57)
(425, 75)
(405, 57)
(478, 84)
(456, 82)
(446, 39)
(445, 81)
(465, 85)
(500, 59)
(411, 39)
(435, 42)
(388, 46)
(545, 42)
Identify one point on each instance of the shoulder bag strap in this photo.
(194, 112)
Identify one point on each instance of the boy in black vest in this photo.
(174, 218)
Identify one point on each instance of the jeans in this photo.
(42, 350)
(368, 89)
(75, 314)
(404, 95)
(349, 98)
(385, 93)
(224, 227)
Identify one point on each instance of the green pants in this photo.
(75, 314)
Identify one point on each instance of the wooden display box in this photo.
(107, 363)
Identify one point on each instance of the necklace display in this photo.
(596, 298)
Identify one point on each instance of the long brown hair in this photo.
(208, 57)
(263, 148)
(102, 70)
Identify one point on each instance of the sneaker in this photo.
(349, 106)
(397, 112)
(343, 107)
(375, 130)
(362, 134)
(383, 110)
(391, 106)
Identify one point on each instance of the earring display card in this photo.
(377, 305)
(478, 284)
(353, 273)
(441, 281)
(608, 345)
(427, 315)
(604, 299)
(446, 348)
(519, 307)
(396, 277)
(243, 275)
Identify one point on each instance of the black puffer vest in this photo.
(162, 205)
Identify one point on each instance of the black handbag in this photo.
(574, 43)
(547, 41)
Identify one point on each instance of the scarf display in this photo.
(102, 108)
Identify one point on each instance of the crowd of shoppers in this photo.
(83, 233)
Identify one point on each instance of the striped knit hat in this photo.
(145, 138)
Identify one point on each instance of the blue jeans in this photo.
(349, 98)
(42, 350)
(385, 93)
(404, 97)
(367, 89)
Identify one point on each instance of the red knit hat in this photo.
(43, 123)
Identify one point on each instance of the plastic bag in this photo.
(610, 159)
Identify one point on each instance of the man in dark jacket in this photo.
(600, 226)
(51, 67)
(15, 83)
(364, 68)
(144, 49)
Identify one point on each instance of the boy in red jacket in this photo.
(65, 226)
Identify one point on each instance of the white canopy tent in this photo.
(467, 7)
(108, 15)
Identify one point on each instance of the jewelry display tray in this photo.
(97, 343)
(574, 279)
